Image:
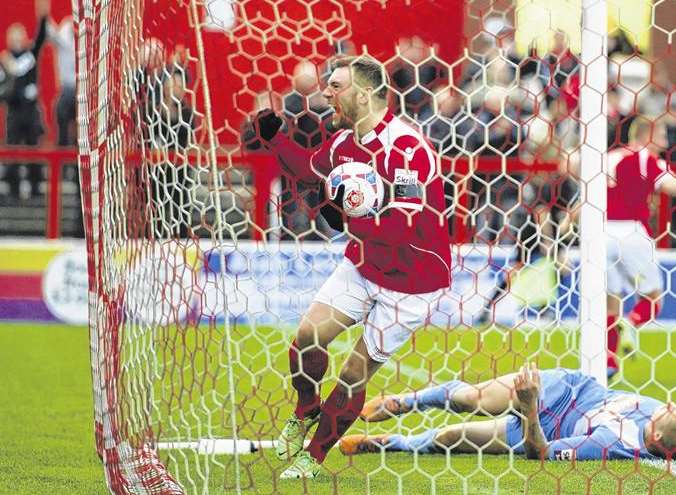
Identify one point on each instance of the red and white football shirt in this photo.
(632, 177)
(406, 246)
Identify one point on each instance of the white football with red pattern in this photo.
(364, 188)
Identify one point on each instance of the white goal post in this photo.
(594, 122)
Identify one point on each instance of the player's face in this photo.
(341, 94)
(661, 430)
(659, 141)
(17, 39)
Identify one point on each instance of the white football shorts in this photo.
(389, 317)
(632, 260)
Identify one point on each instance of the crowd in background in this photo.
(501, 104)
(23, 185)
(494, 102)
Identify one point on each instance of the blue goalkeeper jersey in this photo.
(582, 418)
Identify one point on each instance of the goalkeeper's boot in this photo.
(291, 440)
(382, 408)
(304, 466)
(361, 444)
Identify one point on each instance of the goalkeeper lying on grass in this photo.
(552, 414)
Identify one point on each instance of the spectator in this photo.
(63, 39)
(24, 121)
(171, 122)
(562, 64)
(309, 125)
(618, 122)
(414, 76)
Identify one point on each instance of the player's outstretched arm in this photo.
(294, 158)
(527, 386)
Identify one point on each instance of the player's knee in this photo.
(312, 334)
(306, 335)
(353, 376)
(466, 399)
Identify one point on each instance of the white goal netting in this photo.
(204, 254)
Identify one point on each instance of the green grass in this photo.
(46, 413)
(46, 439)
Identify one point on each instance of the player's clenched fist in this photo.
(527, 386)
(266, 124)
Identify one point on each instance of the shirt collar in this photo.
(380, 127)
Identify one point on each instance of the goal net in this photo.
(203, 253)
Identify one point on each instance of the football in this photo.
(363, 188)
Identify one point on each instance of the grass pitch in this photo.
(47, 447)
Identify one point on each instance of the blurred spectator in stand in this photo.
(172, 120)
(655, 99)
(172, 131)
(140, 101)
(618, 42)
(415, 75)
(493, 59)
(308, 117)
(24, 120)
(62, 37)
(618, 122)
(147, 86)
(306, 108)
(562, 64)
(493, 130)
(7, 80)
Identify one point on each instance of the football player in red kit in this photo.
(396, 265)
(634, 173)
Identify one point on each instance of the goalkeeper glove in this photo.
(266, 124)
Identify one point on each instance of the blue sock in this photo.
(422, 443)
(439, 397)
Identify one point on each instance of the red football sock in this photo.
(338, 413)
(307, 369)
(644, 311)
(613, 341)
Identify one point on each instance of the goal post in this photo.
(593, 178)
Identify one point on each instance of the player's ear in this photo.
(364, 95)
(657, 435)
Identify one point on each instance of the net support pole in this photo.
(594, 124)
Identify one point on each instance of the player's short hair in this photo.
(640, 128)
(669, 434)
(368, 70)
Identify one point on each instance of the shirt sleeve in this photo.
(41, 36)
(658, 171)
(305, 165)
(601, 444)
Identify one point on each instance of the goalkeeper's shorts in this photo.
(389, 317)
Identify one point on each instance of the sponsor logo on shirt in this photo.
(343, 158)
(405, 177)
(564, 455)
